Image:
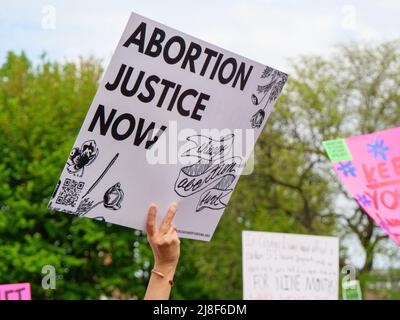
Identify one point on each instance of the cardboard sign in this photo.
(351, 290)
(283, 266)
(16, 291)
(167, 124)
(372, 175)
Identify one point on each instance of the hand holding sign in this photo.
(165, 244)
(164, 240)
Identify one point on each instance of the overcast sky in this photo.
(268, 31)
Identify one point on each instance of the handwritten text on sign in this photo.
(16, 291)
(289, 266)
(372, 176)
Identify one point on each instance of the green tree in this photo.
(354, 91)
(292, 189)
(41, 110)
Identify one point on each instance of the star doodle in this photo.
(363, 200)
(378, 149)
(347, 168)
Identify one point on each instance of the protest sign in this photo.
(351, 290)
(167, 124)
(16, 291)
(283, 266)
(369, 167)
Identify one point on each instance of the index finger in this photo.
(151, 219)
(168, 217)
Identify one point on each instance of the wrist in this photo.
(168, 269)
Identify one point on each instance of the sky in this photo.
(269, 31)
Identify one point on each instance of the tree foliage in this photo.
(292, 189)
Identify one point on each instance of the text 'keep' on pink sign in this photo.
(369, 167)
(16, 291)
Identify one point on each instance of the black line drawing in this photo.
(213, 198)
(113, 197)
(79, 158)
(102, 175)
(207, 148)
(276, 81)
(112, 200)
(199, 176)
(102, 219)
(56, 189)
(212, 174)
(257, 119)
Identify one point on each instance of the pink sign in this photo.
(16, 291)
(369, 167)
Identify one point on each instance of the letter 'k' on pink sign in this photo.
(16, 291)
(369, 167)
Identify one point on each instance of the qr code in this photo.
(69, 194)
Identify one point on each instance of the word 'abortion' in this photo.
(205, 62)
(163, 93)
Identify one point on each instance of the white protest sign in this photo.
(174, 119)
(283, 266)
